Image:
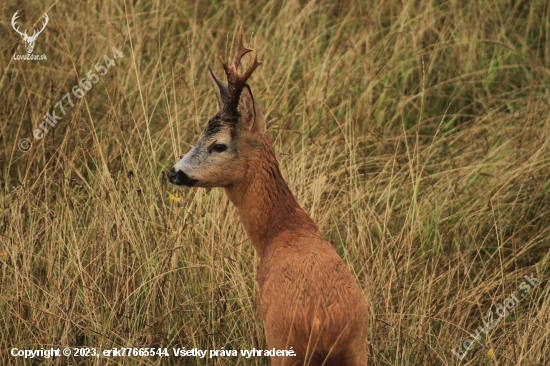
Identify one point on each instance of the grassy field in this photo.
(416, 134)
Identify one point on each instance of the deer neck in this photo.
(266, 205)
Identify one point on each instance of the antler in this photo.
(34, 35)
(13, 19)
(236, 81)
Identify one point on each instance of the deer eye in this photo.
(219, 148)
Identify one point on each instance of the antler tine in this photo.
(242, 50)
(46, 18)
(13, 19)
(43, 24)
(255, 63)
(236, 81)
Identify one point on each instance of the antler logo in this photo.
(29, 41)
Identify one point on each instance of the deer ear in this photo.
(252, 117)
(219, 88)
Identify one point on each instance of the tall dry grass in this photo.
(416, 134)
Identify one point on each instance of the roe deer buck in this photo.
(309, 299)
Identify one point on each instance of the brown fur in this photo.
(309, 299)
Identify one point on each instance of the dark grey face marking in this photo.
(214, 126)
(216, 123)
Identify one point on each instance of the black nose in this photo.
(179, 178)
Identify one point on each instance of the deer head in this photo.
(29, 41)
(234, 134)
